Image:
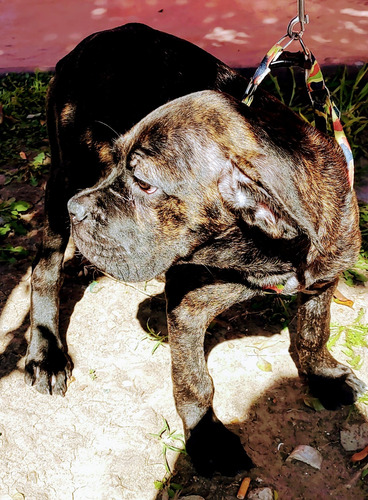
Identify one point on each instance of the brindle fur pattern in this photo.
(139, 69)
(227, 200)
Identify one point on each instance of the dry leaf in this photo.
(314, 403)
(306, 454)
(264, 365)
(23, 155)
(70, 380)
(18, 496)
(339, 298)
(361, 455)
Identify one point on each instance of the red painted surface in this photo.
(36, 33)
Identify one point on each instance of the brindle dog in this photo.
(229, 201)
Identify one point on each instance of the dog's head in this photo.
(183, 175)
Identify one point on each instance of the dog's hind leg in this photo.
(193, 300)
(332, 382)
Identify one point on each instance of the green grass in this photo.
(364, 230)
(10, 213)
(354, 275)
(24, 151)
(350, 337)
(168, 440)
(23, 134)
(11, 222)
(275, 309)
(351, 96)
(157, 337)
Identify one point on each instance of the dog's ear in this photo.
(254, 204)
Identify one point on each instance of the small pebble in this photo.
(261, 494)
(354, 437)
(193, 497)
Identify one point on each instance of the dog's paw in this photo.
(213, 448)
(335, 392)
(50, 374)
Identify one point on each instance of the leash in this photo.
(319, 94)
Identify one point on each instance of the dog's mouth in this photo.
(121, 260)
(101, 251)
(112, 262)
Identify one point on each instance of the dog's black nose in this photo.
(77, 210)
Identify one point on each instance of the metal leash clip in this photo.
(274, 53)
(302, 18)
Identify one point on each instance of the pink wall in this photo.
(36, 33)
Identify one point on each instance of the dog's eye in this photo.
(147, 188)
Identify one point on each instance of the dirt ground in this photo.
(97, 443)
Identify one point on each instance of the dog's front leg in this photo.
(48, 365)
(332, 382)
(192, 305)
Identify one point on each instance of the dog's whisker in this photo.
(108, 126)
(119, 195)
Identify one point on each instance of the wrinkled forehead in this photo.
(171, 151)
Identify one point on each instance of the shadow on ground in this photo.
(277, 422)
(278, 419)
